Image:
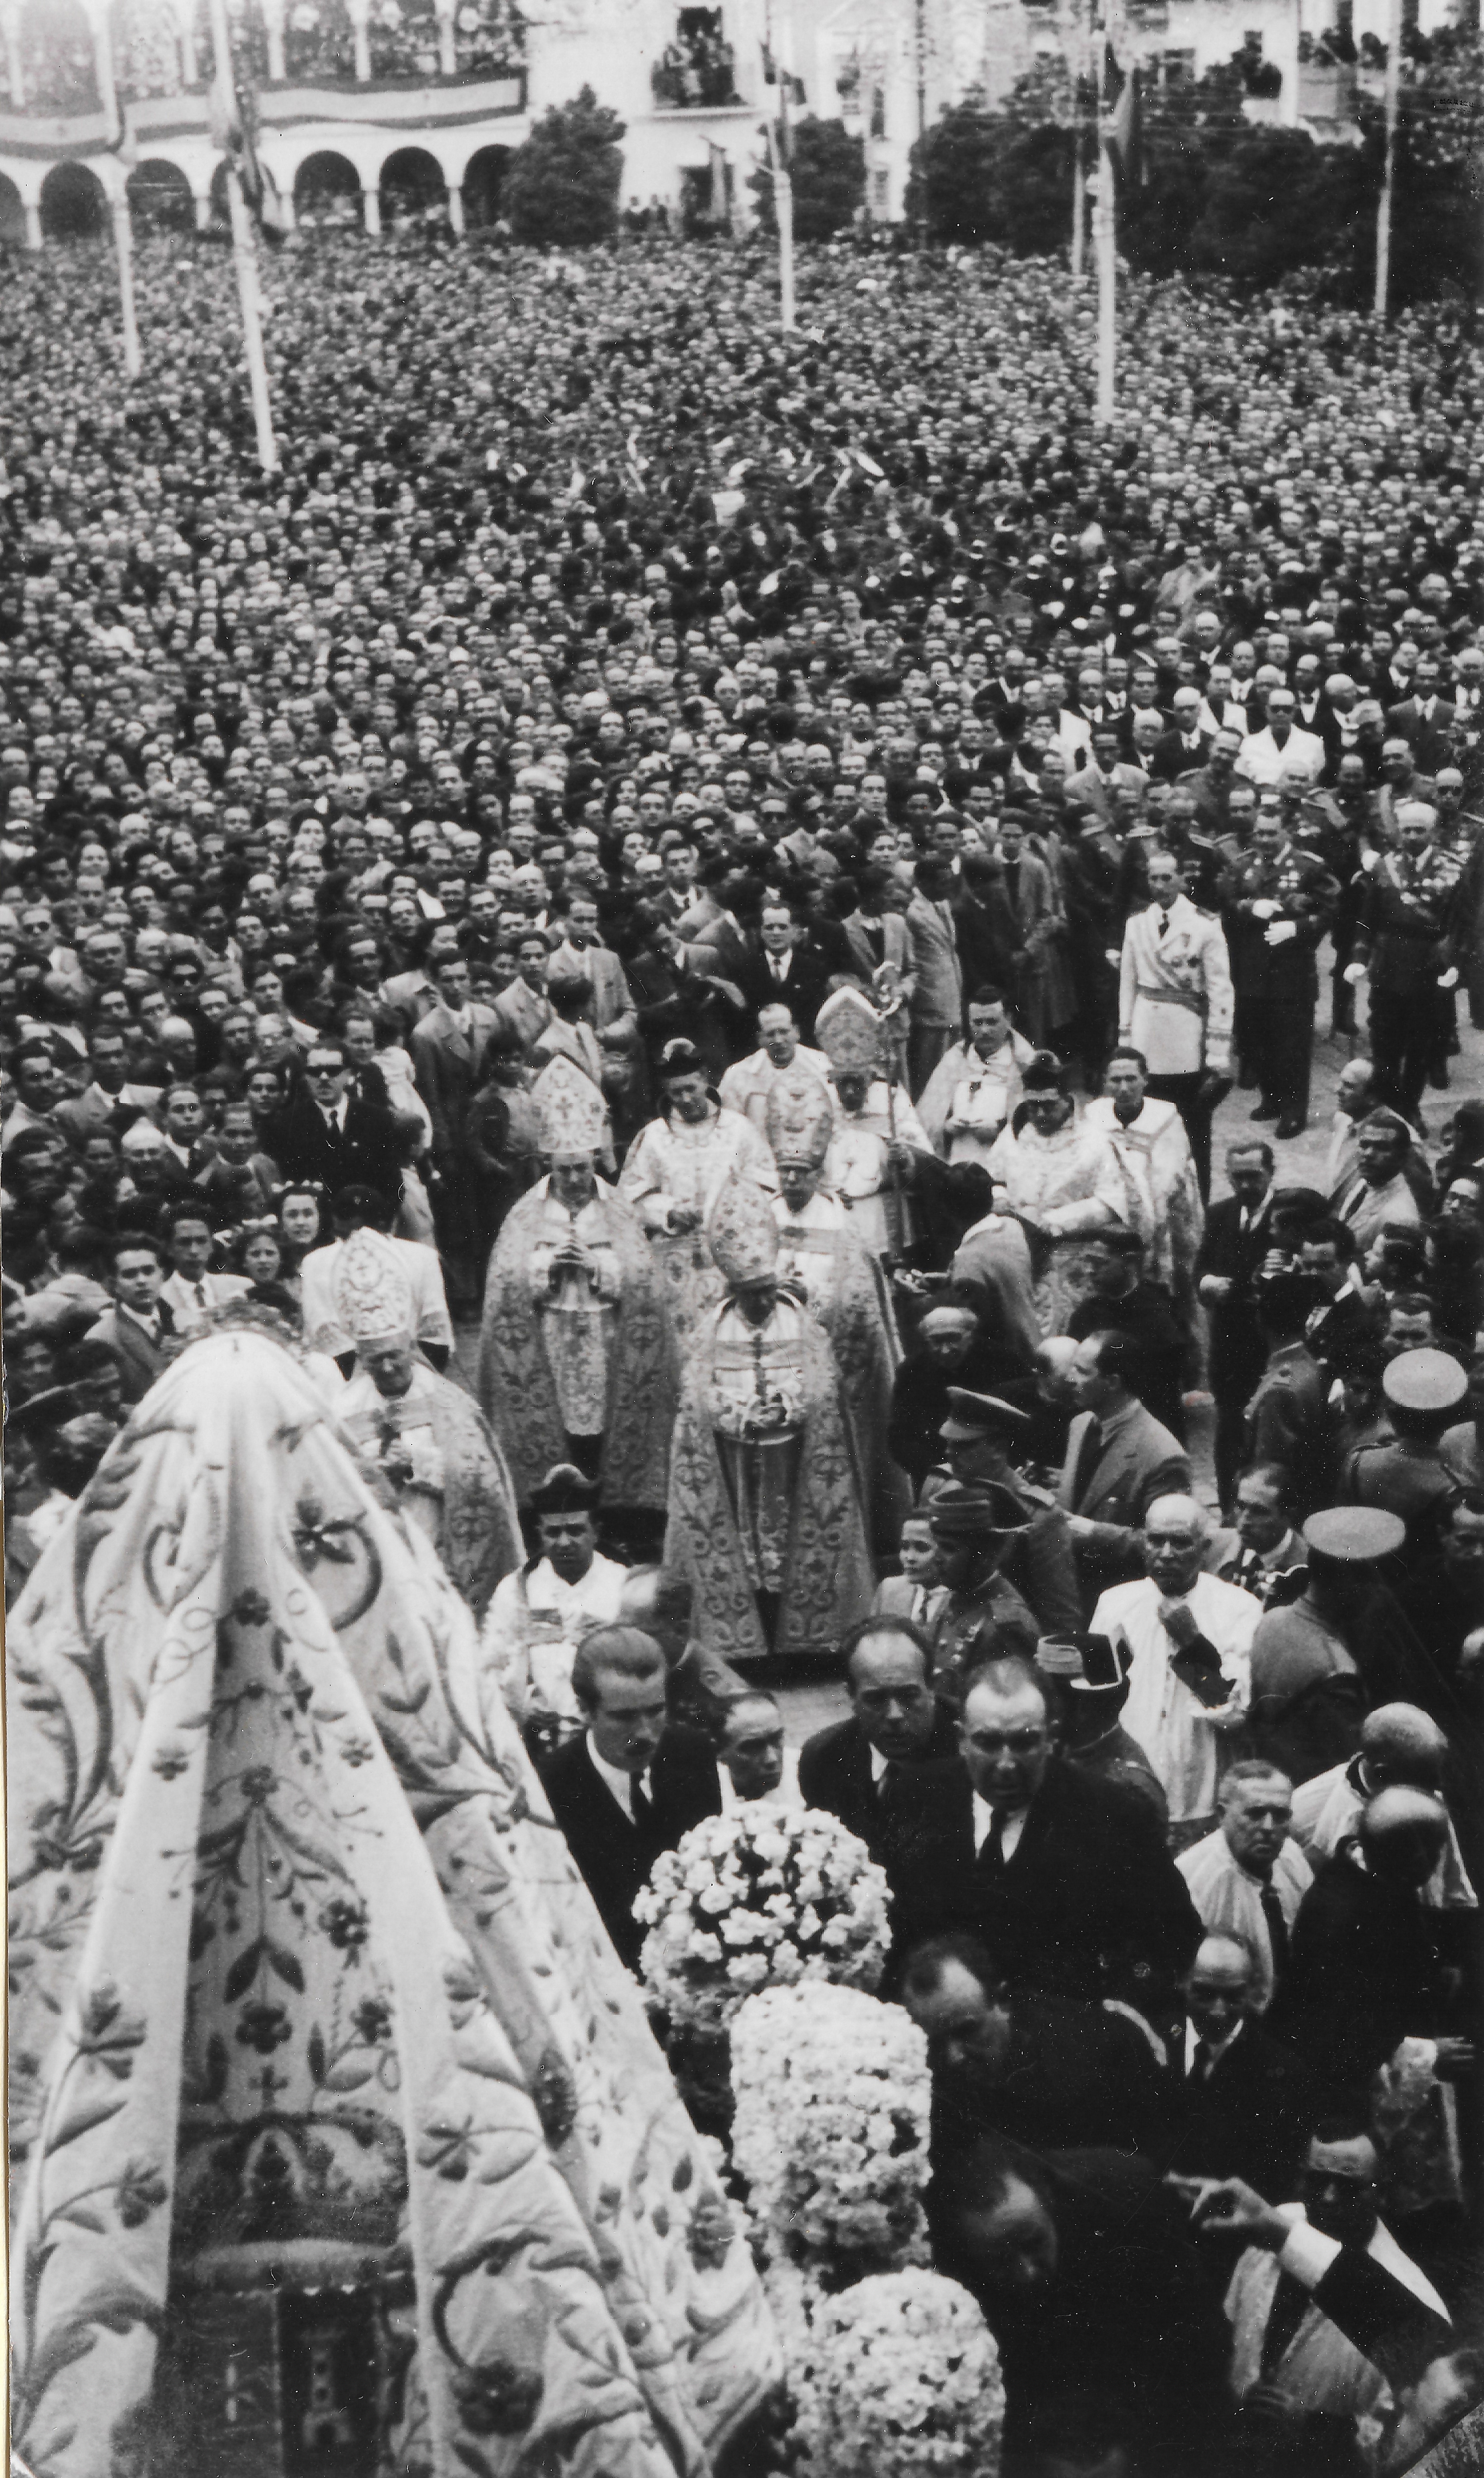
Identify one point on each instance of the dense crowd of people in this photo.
(675, 907)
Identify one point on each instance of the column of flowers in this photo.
(768, 1933)
(892, 2369)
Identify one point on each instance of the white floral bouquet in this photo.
(768, 1897)
(830, 2126)
(899, 2376)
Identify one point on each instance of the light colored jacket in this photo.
(938, 996)
(1174, 991)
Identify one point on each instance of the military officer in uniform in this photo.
(983, 1614)
(1407, 1471)
(1279, 901)
(1288, 1419)
(1405, 939)
(979, 1436)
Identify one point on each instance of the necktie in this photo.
(200, 1295)
(1164, 922)
(1200, 2061)
(1290, 2305)
(777, 967)
(1088, 1453)
(1277, 1929)
(644, 1803)
(993, 1849)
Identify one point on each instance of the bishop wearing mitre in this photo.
(577, 1358)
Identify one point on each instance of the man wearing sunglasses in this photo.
(325, 1133)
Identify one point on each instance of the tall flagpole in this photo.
(1079, 80)
(783, 182)
(123, 244)
(118, 208)
(1383, 221)
(245, 249)
(1105, 231)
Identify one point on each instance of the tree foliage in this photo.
(829, 180)
(1221, 195)
(562, 184)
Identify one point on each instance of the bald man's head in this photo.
(1403, 1833)
(1402, 1745)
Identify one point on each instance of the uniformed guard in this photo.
(1405, 939)
(1288, 1419)
(973, 1530)
(982, 1435)
(1406, 1471)
(1279, 901)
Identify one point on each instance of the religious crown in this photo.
(799, 1119)
(373, 1297)
(743, 1233)
(572, 1112)
(848, 1031)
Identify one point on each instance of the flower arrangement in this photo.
(898, 2375)
(831, 2126)
(768, 1897)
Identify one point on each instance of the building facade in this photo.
(376, 103)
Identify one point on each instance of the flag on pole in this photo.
(234, 123)
(1123, 119)
(717, 155)
(773, 75)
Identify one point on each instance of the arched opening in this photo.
(57, 58)
(73, 204)
(160, 197)
(12, 213)
(221, 215)
(484, 185)
(327, 191)
(411, 184)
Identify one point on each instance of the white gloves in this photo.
(1354, 973)
(1264, 908)
(1280, 932)
(1448, 980)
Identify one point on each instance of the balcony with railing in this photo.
(159, 51)
(697, 71)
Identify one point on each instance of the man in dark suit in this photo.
(1243, 2102)
(1083, 2263)
(138, 1323)
(324, 1133)
(1425, 717)
(1118, 1461)
(629, 1786)
(1364, 1970)
(1237, 1237)
(1038, 2069)
(1183, 748)
(857, 1769)
(448, 1058)
(785, 970)
(1066, 1878)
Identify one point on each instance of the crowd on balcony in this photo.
(58, 69)
(488, 37)
(403, 39)
(146, 49)
(318, 41)
(151, 57)
(696, 72)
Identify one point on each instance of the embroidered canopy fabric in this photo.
(304, 1974)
